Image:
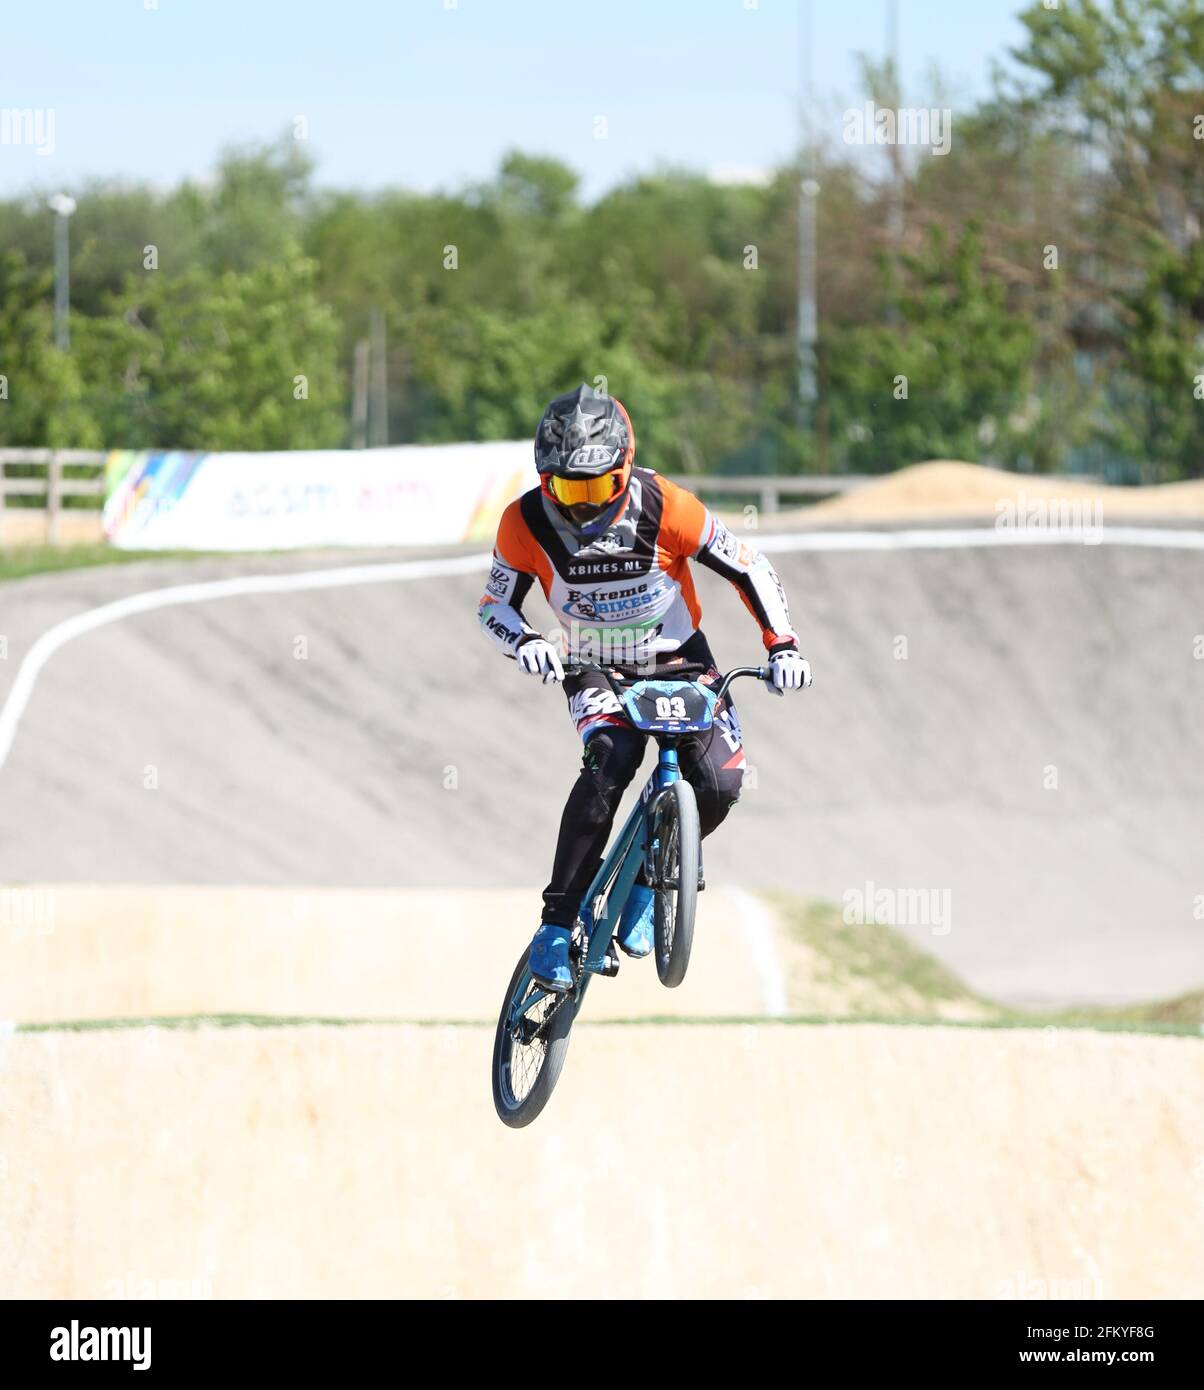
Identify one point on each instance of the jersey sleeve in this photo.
(511, 574)
(684, 521)
(754, 577)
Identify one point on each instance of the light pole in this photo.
(808, 314)
(62, 205)
(894, 215)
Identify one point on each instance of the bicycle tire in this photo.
(676, 889)
(513, 1109)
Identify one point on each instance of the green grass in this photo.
(21, 561)
(887, 967)
(877, 962)
(195, 1022)
(191, 1022)
(1183, 1013)
(879, 976)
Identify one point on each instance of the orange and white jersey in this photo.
(627, 594)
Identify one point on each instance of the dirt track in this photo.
(706, 1161)
(104, 953)
(1038, 752)
(738, 1160)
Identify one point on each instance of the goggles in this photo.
(596, 492)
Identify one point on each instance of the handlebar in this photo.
(685, 669)
(762, 673)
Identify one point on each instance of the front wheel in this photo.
(529, 1048)
(675, 880)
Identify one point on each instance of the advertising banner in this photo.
(421, 494)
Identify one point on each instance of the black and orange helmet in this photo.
(584, 450)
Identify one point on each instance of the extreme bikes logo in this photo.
(76, 1343)
(611, 605)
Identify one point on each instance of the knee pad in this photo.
(608, 764)
(716, 789)
(713, 806)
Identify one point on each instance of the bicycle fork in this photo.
(635, 849)
(668, 771)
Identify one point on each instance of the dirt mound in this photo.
(969, 492)
(76, 953)
(756, 1161)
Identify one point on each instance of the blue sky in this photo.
(408, 92)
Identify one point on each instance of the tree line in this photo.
(1034, 298)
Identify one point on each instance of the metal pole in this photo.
(808, 313)
(894, 216)
(62, 206)
(359, 396)
(380, 383)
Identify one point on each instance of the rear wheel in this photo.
(675, 865)
(529, 1047)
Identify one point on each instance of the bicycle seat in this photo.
(671, 671)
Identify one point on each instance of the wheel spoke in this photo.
(528, 1048)
(526, 1037)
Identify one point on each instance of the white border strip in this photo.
(53, 639)
(759, 930)
(978, 537)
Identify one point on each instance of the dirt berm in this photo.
(1019, 729)
(673, 1160)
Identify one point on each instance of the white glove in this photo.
(539, 658)
(789, 672)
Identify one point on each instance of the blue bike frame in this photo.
(621, 865)
(618, 870)
(631, 849)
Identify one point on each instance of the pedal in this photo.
(610, 966)
(702, 883)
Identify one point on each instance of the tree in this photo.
(950, 379)
(42, 401)
(254, 211)
(1127, 77)
(1162, 423)
(241, 361)
(536, 187)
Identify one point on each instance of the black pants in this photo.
(713, 763)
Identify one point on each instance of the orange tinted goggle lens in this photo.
(573, 491)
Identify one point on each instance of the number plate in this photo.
(669, 707)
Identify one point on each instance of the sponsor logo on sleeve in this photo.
(500, 580)
(499, 629)
(724, 544)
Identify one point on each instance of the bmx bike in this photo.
(660, 836)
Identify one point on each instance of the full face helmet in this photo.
(584, 449)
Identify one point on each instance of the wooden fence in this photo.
(50, 477)
(770, 489)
